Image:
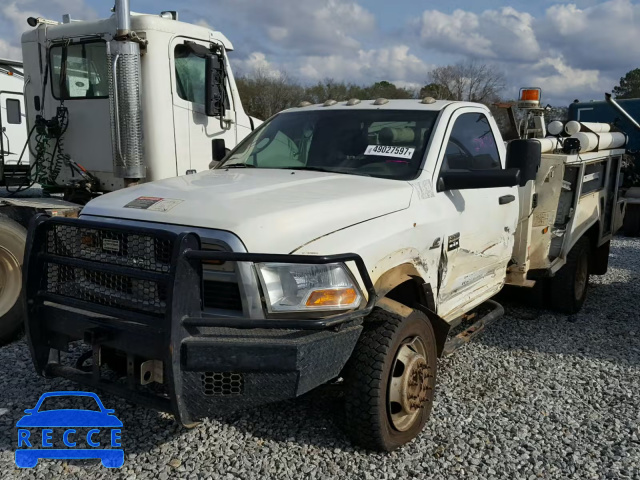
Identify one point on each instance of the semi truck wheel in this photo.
(13, 238)
(568, 289)
(390, 380)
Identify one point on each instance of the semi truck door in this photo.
(194, 129)
(79, 78)
(13, 124)
(478, 239)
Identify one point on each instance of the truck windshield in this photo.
(378, 143)
(79, 70)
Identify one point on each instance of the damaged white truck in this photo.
(338, 242)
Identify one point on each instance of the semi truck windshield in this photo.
(79, 70)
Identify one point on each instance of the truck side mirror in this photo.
(214, 101)
(218, 151)
(470, 179)
(525, 155)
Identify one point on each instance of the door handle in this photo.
(506, 199)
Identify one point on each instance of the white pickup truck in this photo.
(338, 242)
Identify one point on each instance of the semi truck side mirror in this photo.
(218, 151)
(524, 155)
(214, 86)
(467, 180)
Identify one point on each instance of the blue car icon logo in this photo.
(42, 430)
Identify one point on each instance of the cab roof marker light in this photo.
(304, 104)
(329, 103)
(353, 101)
(428, 100)
(169, 14)
(381, 101)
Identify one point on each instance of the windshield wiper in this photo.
(312, 169)
(238, 165)
(329, 170)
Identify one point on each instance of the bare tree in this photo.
(467, 81)
(265, 92)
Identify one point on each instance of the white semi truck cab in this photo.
(111, 103)
(346, 240)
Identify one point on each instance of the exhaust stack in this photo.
(123, 18)
(125, 99)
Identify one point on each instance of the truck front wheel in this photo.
(390, 380)
(13, 237)
(568, 289)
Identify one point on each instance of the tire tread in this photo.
(561, 287)
(365, 371)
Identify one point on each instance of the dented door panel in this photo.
(475, 265)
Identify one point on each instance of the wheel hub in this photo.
(409, 386)
(414, 386)
(10, 280)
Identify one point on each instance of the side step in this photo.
(495, 311)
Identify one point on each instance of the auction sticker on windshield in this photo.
(386, 151)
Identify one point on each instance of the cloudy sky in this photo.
(575, 49)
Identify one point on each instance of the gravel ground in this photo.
(537, 396)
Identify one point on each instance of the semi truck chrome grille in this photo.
(113, 247)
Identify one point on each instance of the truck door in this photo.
(478, 235)
(13, 126)
(79, 80)
(194, 130)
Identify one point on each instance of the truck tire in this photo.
(631, 223)
(390, 380)
(13, 238)
(568, 289)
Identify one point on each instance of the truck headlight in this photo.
(292, 287)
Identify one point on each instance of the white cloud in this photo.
(393, 64)
(606, 35)
(257, 62)
(277, 34)
(570, 50)
(9, 51)
(556, 77)
(203, 23)
(306, 27)
(504, 34)
(14, 14)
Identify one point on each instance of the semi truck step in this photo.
(488, 313)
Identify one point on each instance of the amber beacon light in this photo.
(529, 98)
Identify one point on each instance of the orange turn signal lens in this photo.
(213, 262)
(332, 298)
(530, 95)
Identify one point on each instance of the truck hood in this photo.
(270, 210)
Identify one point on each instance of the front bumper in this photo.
(207, 363)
